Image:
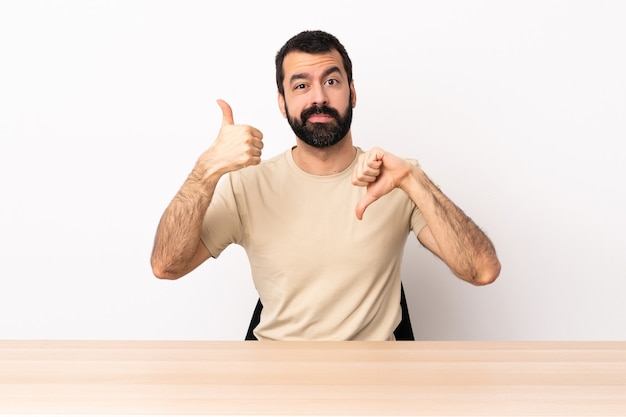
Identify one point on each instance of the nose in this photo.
(318, 95)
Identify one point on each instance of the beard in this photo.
(321, 135)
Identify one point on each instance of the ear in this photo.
(353, 94)
(281, 105)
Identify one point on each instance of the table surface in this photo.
(313, 378)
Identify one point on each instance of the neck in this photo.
(324, 161)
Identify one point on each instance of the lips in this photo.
(320, 118)
(319, 114)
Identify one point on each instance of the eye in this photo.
(332, 81)
(299, 86)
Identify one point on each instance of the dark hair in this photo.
(310, 42)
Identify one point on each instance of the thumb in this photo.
(227, 113)
(363, 204)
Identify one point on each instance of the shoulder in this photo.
(275, 163)
(268, 172)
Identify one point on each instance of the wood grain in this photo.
(313, 378)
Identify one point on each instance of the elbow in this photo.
(483, 273)
(163, 272)
(487, 274)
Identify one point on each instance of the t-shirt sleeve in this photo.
(221, 225)
(418, 222)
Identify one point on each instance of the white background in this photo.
(516, 109)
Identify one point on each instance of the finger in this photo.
(256, 133)
(363, 175)
(355, 177)
(227, 113)
(363, 204)
(358, 182)
(363, 180)
(375, 157)
(373, 165)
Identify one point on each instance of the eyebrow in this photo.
(305, 75)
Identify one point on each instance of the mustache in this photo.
(315, 109)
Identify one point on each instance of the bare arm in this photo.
(178, 248)
(450, 234)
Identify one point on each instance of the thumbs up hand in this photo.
(236, 146)
(380, 172)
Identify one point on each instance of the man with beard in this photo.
(323, 269)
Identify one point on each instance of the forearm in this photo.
(178, 233)
(177, 248)
(460, 242)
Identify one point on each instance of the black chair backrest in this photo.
(404, 331)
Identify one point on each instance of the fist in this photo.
(236, 146)
(380, 172)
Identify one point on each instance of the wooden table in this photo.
(313, 378)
